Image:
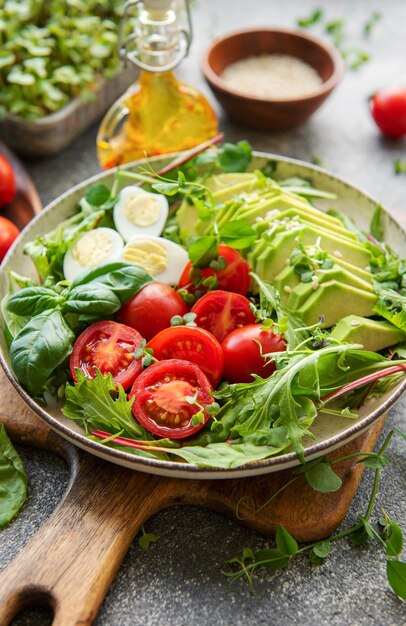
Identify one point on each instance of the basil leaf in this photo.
(42, 345)
(32, 300)
(238, 234)
(13, 480)
(92, 299)
(203, 251)
(97, 194)
(124, 279)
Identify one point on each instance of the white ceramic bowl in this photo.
(331, 432)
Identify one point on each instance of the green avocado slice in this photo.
(374, 335)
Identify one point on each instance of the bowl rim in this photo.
(323, 90)
(190, 470)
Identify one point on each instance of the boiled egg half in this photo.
(138, 212)
(163, 259)
(102, 245)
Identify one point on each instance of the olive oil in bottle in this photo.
(158, 114)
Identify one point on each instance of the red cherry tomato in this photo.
(190, 344)
(109, 347)
(8, 233)
(151, 309)
(388, 108)
(220, 312)
(235, 277)
(242, 353)
(7, 181)
(160, 394)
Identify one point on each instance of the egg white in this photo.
(153, 253)
(149, 212)
(92, 248)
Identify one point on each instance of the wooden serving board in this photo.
(88, 535)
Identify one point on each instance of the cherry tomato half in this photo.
(7, 181)
(160, 394)
(109, 347)
(8, 233)
(151, 309)
(242, 353)
(190, 344)
(220, 312)
(388, 108)
(235, 277)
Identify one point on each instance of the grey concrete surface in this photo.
(178, 580)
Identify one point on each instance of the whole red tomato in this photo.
(7, 181)
(8, 233)
(243, 350)
(388, 108)
(151, 309)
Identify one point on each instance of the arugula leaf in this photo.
(96, 403)
(225, 455)
(13, 480)
(376, 228)
(39, 348)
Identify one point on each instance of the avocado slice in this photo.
(334, 300)
(374, 335)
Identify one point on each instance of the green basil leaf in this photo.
(92, 299)
(238, 234)
(97, 194)
(124, 279)
(396, 573)
(13, 480)
(43, 344)
(32, 300)
(203, 251)
(285, 543)
(322, 478)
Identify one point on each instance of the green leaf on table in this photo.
(313, 18)
(39, 348)
(322, 549)
(394, 543)
(13, 480)
(321, 477)
(399, 166)
(97, 194)
(285, 543)
(272, 559)
(396, 573)
(145, 540)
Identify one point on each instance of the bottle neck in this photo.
(158, 39)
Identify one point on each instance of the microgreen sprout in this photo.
(209, 409)
(145, 540)
(146, 354)
(186, 320)
(399, 166)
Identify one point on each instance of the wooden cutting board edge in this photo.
(87, 536)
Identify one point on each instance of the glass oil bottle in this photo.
(158, 114)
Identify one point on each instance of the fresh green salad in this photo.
(208, 315)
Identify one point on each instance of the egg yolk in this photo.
(92, 248)
(149, 254)
(143, 210)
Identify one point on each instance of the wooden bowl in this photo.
(268, 114)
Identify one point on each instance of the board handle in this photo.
(73, 558)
